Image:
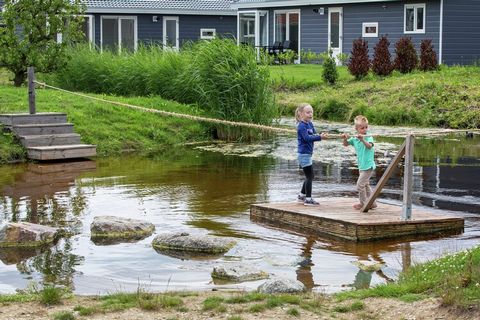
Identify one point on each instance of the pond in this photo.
(208, 190)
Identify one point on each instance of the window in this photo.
(118, 33)
(87, 28)
(369, 29)
(207, 34)
(414, 18)
(247, 28)
(287, 28)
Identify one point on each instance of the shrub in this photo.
(334, 110)
(382, 61)
(330, 72)
(359, 63)
(50, 295)
(343, 58)
(406, 57)
(428, 56)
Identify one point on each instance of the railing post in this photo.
(31, 90)
(408, 179)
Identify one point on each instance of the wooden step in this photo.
(50, 140)
(12, 119)
(41, 129)
(62, 152)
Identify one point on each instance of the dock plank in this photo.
(336, 217)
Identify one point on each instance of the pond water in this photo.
(208, 190)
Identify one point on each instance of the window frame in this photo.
(119, 35)
(369, 24)
(415, 7)
(213, 30)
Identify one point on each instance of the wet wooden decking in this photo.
(336, 217)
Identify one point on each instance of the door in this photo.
(170, 32)
(335, 30)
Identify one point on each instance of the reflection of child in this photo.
(365, 156)
(306, 136)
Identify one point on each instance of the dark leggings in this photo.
(307, 184)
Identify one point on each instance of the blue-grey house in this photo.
(126, 23)
(317, 25)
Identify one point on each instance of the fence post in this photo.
(408, 179)
(31, 90)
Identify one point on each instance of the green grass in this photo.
(445, 98)
(455, 279)
(113, 129)
(12, 298)
(50, 295)
(63, 315)
(355, 306)
(293, 312)
(213, 303)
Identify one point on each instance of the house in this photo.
(126, 23)
(317, 25)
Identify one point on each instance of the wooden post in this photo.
(408, 179)
(383, 180)
(31, 90)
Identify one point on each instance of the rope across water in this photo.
(239, 123)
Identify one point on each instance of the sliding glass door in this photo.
(287, 28)
(253, 28)
(119, 33)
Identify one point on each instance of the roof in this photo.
(191, 7)
(240, 4)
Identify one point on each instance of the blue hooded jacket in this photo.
(306, 135)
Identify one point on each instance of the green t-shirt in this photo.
(364, 155)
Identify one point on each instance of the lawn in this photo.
(449, 97)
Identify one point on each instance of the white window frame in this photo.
(287, 31)
(177, 33)
(119, 18)
(250, 35)
(366, 25)
(209, 30)
(91, 21)
(414, 6)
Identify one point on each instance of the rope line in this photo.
(245, 124)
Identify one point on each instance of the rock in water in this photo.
(280, 285)
(368, 266)
(25, 234)
(183, 241)
(120, 228)
(238, 273)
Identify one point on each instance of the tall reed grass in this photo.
(225, 80)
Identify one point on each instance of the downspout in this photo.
(440, 40)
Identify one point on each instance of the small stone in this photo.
(281, 285)
(238, 273)
(368, 266)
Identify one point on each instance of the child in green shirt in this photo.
(363, 145)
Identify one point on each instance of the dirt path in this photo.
(193, 308)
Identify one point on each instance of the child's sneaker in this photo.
(301, 198)
(310, 202)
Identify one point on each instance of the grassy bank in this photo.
(113, 129)
(448, 286)
(449, 97)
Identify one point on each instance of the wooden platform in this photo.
(336, 217)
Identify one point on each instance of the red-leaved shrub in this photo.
(428, 56)
(382, 60)
(359, 62)
(406, 57)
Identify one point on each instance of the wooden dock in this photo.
(336, 217)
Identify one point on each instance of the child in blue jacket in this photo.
(306, 136)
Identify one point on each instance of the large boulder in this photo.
(117, 228)
(280, 285)
(237, 273)
(183, 241)
(25, 234)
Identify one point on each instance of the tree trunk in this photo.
(20, 77)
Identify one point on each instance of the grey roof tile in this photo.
(199, 5)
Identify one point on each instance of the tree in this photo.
(330, 72)
(382, 60)
(406, 56)
(28, 34)
(359, 63)
(428, 56)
